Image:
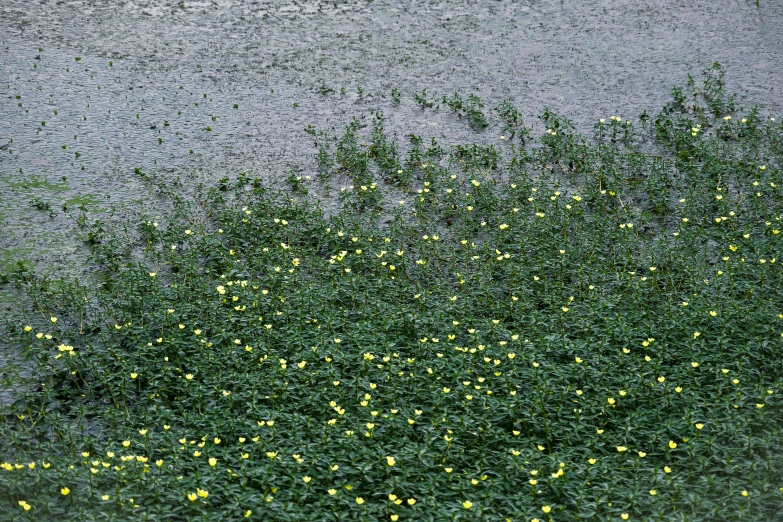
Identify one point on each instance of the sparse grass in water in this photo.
(556, 329)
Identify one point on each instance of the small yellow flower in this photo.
(411, 501)
(192, 497)
(332, 491)
(248, 513)
(359, 500)
(672, 444)
(667, 469)
(546, 509)
(467, 504)
(744, 493)
(307, 479)
(620, 449)
(65, 491)
(212, 461)
(390, 461)
(624, 516)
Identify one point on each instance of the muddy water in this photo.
(194, 91)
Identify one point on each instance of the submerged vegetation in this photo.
(559, 328)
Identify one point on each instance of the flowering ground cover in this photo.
(556, 328)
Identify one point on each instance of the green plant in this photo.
(585, 330)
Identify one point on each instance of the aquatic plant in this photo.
(561, 327)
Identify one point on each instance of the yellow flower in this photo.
(672, 444)
(467, 504)
(212, 461)
(307, 479)
(610, 400)
(667, 469)
(134, 375)
(189, 376)
(653, 492)
(699, 425)
(248, 513)
(65, 491)
(591, 461)
(744, 493)
(395, 517)
(624, 516)
(203, 493)
(332, 491)
(25, 505)
(192, 497)
(126, 443)
(620, 449)
(359, 500)
(546, 509)
(642, 454)
(390, 461)
(411, 501)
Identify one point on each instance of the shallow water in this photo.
(122, 85)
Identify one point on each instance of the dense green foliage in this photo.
(558, 328)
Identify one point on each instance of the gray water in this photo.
(122, 85)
